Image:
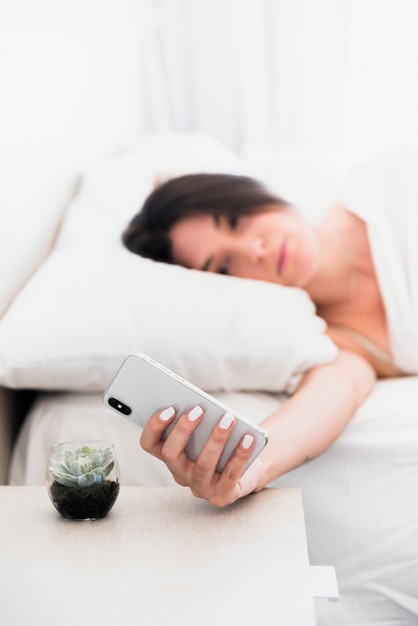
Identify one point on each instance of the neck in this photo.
(333, 289)
(335, 282)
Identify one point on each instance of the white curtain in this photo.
(380, 106)
(259, 71)
(286, 74)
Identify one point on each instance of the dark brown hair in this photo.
(192, 194)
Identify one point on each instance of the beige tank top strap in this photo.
(370, 347)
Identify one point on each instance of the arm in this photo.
(301, 429)
(313, 418)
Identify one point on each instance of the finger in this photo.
(211, 452)
(173, 448)
(229, 486)
(151, 437)
(236, 465)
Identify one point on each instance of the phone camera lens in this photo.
(120, 406)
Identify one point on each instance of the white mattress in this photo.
(73, 416)
(360, 497)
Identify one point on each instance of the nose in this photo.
(255, 249)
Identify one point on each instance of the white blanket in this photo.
(384, 193)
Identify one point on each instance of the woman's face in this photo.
(278, 246)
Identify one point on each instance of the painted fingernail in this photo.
(195, 413)
(167, 414)
(247, 441)
(226, 421)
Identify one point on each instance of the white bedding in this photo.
(360, 497)
(384, 192)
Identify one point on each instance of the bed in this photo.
(86, 303)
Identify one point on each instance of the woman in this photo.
(233, 225)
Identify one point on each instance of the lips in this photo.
(282, 259)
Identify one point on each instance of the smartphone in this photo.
(142, 387)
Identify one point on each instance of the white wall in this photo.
(70, 79)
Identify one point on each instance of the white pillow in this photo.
(109, 196)
(179, 153)
(115, 188)
(92, 302)
(87, 307)
(29, 221)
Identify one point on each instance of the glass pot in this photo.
(82, 478)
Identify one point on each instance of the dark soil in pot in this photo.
(84, 503)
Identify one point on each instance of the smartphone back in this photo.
(142, 387)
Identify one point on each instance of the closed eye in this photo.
(233, 221)
(223, 269)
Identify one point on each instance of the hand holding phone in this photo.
(143, 387)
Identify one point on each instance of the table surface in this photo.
(161, 556)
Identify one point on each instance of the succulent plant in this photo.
(83, 467)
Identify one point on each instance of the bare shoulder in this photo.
(341, 218)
